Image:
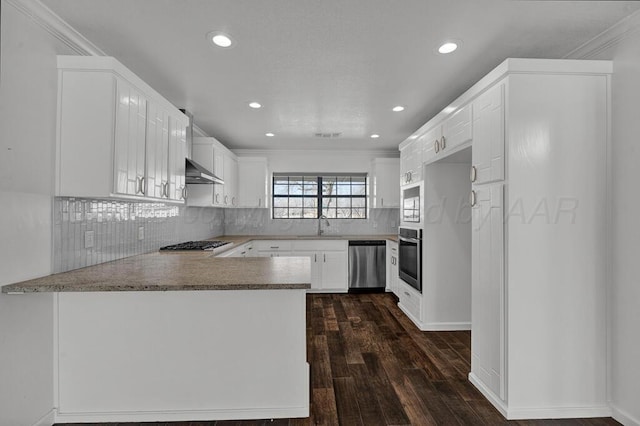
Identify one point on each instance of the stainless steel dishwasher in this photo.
(367, 265)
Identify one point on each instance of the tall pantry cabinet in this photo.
(539, 219)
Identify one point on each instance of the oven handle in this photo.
(409, 240)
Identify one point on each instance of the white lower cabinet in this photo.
(392, 267)
(272, 248)
(329, 263)
(410, 301)
(243, 250)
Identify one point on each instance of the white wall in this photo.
(622, 45)
(28, 96)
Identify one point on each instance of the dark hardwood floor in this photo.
(371, 366)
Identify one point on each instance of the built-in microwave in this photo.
(411, 207)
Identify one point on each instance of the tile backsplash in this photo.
(116, 229)
(259, 222)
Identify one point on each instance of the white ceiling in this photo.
(327, 65)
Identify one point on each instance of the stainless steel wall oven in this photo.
(410, 256)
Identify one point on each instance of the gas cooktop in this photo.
(195, 245)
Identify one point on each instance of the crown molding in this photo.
(56, 26)
(197, 131)
(607, 39)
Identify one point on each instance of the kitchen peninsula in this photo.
(179, 336)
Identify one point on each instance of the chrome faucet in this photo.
(320, 230)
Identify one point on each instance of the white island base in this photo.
(181, 355)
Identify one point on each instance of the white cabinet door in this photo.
(218, 169)
(488, 135)
(487, 286)
(130, 135)
(335, 270)
(411, 162)
(457, 129)
(157, 151)
(230, 198)
(386, 191)
(431, 144)
(252, 182)
(177, 155)
(392, 267)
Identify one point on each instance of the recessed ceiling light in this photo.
(398, 108)
(220, 39)
(375, 136)
(448, 47)
(269, 135)
(255, 105)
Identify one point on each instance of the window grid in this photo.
(309, 197)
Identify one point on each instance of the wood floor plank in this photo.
(347, 401)
(324, 406)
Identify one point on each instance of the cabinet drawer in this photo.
(319, 245)
(272, 245)
(410, 300)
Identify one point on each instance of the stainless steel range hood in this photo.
(195, 173)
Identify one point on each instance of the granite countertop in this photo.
(186, 271)
(236, 240)
(177, 271)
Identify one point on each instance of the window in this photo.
(309, 197)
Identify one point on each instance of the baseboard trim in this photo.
(447, 326)
(182, 415)
(493, 399)
(523, 413)
(48, 419)
(435, 326)
(623, 417)
(558, 412)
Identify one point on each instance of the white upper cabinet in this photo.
(176, 189)
(129, 140)
(215, 157)
(230, 187)
(456, 130)
(488, 136)
(431, 144)
(114, 139)
(411, 162)
(157, 152)
(385, 192)
(253, 182)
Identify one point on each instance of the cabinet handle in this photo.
(142, 189)
(410, 176)
(185, 192)
(436, 146)
(259, 201)
(324, 258)
(407, 294)
(443, 143)
(137, 185)
(217, 199)
(472, 198)
(381, 202)
(226, 199)
(233, 201)
(315, 258)
(473, 174)
(275, 247)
